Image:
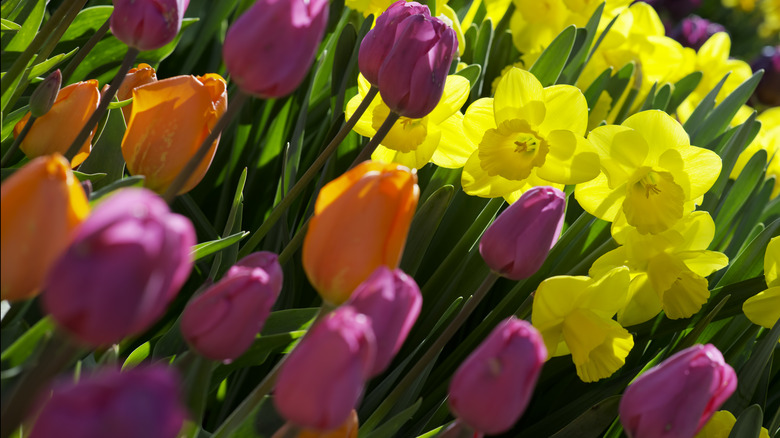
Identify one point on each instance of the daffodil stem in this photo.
(84, 50)
(387, 125)
(307, 177)
(233, 109)
(381, 411)
(105, 99)
(17, 142)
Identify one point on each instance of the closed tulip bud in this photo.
(378, 41)
(411, 80)
(393, 301)
(323, 377)
(42, 99)
(222, 323)
(677, 397)
(143, 401)
(168, 122)
(127, 261)
(42, 203)
(348, 429)
(492, 387)
(147, 24)
(54, 131)
(360, 223)
(269, 49)
(141, 75)
(517, 243)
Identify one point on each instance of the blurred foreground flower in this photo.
(348, 429)
(141, 75)
(42, 203)
(127, 261)
(694, 31)
(764, 308)
(147, 24)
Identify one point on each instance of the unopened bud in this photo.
(42, 99)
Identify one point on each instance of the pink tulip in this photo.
(147, 24)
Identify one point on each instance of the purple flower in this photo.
(768, 90)
(695, 31)
(147, 24)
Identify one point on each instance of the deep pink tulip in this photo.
(493, 386)
(139, 402)
(127, 261)
(269, 49)
(392, 300)
(518, 241)
(378, 41)
(411, 79)
(323, 377)
(147, 24)
(222, 323)
(677, 397)
(694, 31)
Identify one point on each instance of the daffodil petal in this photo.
(567, 110)
(519, 95)
(702, 167)
(477, 182)
(456, 91)
(763, 308)
(598, 199)
(570, 160)
(599, 346)
(455, 148)
(478, 119)
(643, 303)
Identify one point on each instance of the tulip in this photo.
(677, 397)
(141, 75)
(42, 203)
(411, 79)
(147, 24)
(517, 243)
(348, 429)
(695, 31)
(360, 223)
(768, 89)
(393, 301)
(269, 49)
(492, 387)
(378, 41)
(168, 122)
(143, 401)
(222, 323)
(54, 131)
(43, 98)
(322, 379)
(126, 263)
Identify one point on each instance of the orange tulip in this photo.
(141, 75)
(54, 131)
(360, 223)
(169, 120)
(41, 205)
(349, 429)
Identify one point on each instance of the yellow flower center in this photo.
(406, 135)
(512, 150)
(654, 202)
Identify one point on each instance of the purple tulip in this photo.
(411, 79)
(147, 24)
(222, 323)
(43, 98)
(378, 41)
(768, 89)
(392, 300)
(677, 397)
(323, 377)
(143, 401)
(493, 386)
(127, 261)
(269, 49)
(518, 241)
(695, 31)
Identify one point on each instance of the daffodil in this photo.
(768, 139)
(524, 137)
(651, 173)
(764, 308)
(668, 269)
(414, 142)
(720, 425)
(574, 316)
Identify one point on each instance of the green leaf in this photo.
(341, 59)
(718, 120)
(137, 356)
(18, 352)
(130, 181)
(750, 374)
(29, 17)
(391, 426)
(45, 66)
(577, 62)
(550, 64)
(9, 25)
(208, 248)
(594, 90)
(471, 73)
(703, 109)
(120, 104)
(592, 422)
(748, 423)
(738, 195)
(11, 120)
(480, 54)
(730, 152)
(426, 221)
(618, 83)
(683, 88)
(93, 177)
(662, 98)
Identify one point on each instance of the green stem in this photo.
(294, 244)
(17, 142)
(84, 51)
(387, 125)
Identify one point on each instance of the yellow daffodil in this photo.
(668, 269)
(414, 142)
(574, 315)
(770, 11)
(524, 137)
(768, 139)
(720, 425)
(764, 308)
(745, 5)
(650, 172)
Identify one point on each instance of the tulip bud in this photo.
(694, 31)
(269, 49)
(768, 89)
(517, 243)
(142, 75)
(360, 223)
(322, 379)
(411, 80)
(42, 99)
(378, 42)
(492, 387)
(393, 301)
(126, 263)
(348, 429)
(222, 323)
(677, 397)
(168, 122)
(147, 24)
(143, 401)
(42, 203)
(54, 131)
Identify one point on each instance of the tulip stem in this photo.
(84, 51)
(184, 175)
(18, 141)
(301, 184)
(387, 125)
(105, 99)
(430, 354)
